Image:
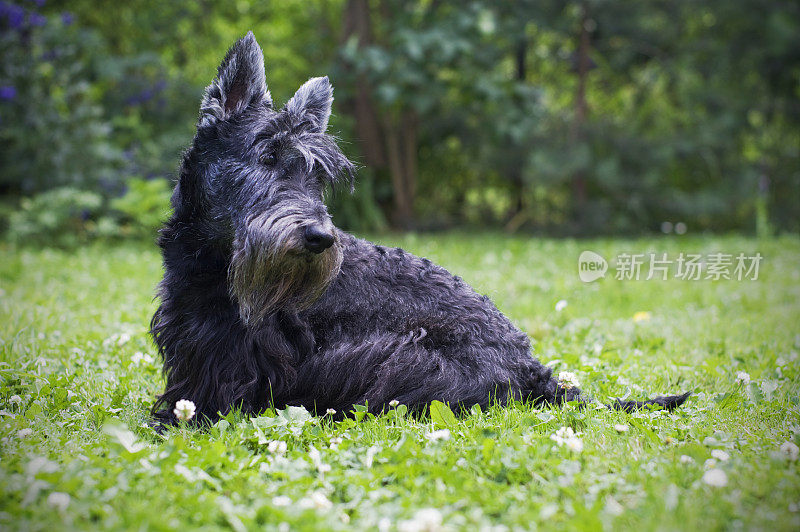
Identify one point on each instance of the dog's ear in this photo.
(312, 104)
(240, 81)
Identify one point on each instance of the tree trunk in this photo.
(401, 149)
(409, 125)
(393, 151)
(517, 177)
(581, 111)
(357, 22)
(384, 139)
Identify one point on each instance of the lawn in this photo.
(78, 374)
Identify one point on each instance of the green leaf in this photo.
(441, 415)
(297, 415)
(124, 437)
(754, 393)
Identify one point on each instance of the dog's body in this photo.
(393, 326)
(264, 302)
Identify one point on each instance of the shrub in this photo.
(63, 216)
(144, 207)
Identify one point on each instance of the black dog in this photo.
(264, 302)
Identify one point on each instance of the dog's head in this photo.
(257, 177)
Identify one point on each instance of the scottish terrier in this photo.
(264, 302)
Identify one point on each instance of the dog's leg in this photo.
(213, 361)
(383, 367)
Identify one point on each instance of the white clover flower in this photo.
(123, 339)
(330, 411)
(316, 459)
(425, 520)
(58, 500)
(281, 500)
(335, 443)
(436, 435)
(315, 455)
(791, 450)
(686, 459)
(371, 452)
(562, 434)
(568, 380)
(276, 446)
(710, 464)
(768, 387)
(613, 507)
(619, 427)
(15, 400)
(574, 444)
(184, 410)
(138, 357)
(720, 455)
(742, 378)
(561, 305)
(40, 464)
(316, 500)
(24, 433)
(393, 403)
(566, 437)
(715, 477)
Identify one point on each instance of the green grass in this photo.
(71, 323)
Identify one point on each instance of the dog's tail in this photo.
(668, 402)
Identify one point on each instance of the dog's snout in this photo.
(316, 239)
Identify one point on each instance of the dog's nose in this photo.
(316, 239)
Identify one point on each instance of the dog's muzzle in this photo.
(282, 263)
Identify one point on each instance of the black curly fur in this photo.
(248, 318)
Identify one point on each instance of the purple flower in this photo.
(49, 55)
(147, 94)
(67, 18)
(39, 3)
(8, 92)
(14, 14)
(37, 20)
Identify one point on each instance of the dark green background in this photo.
(601, 116)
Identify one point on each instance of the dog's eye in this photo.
(269, 159)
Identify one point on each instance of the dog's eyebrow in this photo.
(262, 136)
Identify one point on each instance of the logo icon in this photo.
(591, 266)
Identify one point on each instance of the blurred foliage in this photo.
(68, 216)
(63, 216)
(144, 207)
(54, 132)
(592, 116)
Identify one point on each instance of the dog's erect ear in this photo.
(239, 82)
(312, 104)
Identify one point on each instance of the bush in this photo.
(144, 207)
(64, 216)
(68, 216)
(53, 131)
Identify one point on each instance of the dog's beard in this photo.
(269, 271)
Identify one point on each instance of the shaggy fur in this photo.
(250, 317)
